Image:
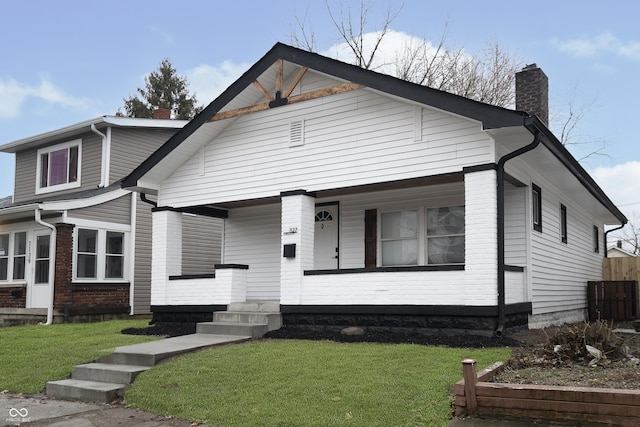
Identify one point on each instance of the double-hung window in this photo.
(424, 236)
(100, 255)
(445, 235)
(114, 256)
(400, 238)
(58, 167)
(13, 256)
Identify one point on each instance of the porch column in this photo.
(481, 237)
(166, 249)
(297, 226)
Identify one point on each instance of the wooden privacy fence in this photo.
(624, 268)
(612, 300)
(576, 405)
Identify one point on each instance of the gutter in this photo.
(52, 250)
(143, 197)
(500, 219)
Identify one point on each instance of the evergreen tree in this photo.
(164, 88)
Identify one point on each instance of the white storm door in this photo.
(39, 288)
(326, 238)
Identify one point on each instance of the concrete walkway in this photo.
(40, 410)
(106, 380)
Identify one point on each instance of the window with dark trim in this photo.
(596, 239)
(536, 207)
(563, 223)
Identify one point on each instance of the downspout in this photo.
(132, 251)
(606, 246)
(103, 166)
(52, 250)
(500, 219)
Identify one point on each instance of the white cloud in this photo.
(600, 44)
(15, 94)
(209, 81)
(620, 183)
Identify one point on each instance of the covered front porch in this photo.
(327, 260)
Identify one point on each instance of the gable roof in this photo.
(490, 116)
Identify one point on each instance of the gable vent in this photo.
(296, 133)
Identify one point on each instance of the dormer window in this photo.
(58, 167)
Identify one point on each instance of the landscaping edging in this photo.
(476, 396)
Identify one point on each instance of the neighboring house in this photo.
(73, 242)
(618, 251)
(355, 198)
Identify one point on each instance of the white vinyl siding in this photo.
(353, 138)
(515, 223)
(252, 237)
(558, 272)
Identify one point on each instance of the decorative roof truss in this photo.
(280, 98)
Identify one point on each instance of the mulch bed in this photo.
(390, 336)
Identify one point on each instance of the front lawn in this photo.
(32, 355)
(309, 383)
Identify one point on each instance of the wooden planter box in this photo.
(584, 406)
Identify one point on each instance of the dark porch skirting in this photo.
(184, 313)
(436, 319)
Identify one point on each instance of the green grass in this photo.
(32, 355)
(307, 383)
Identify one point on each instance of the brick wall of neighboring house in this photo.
(103, 295)
(13, 297)
(82, 298)
(63, 266)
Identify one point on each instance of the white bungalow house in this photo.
(354, 198)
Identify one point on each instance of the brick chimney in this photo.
(162, 113)
(532, 92)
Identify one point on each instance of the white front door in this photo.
(39, 286)
(326, 238)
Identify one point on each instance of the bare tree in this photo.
(488, 76)
(567, 122)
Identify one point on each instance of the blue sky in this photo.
(67, 61)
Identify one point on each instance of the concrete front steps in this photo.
(252, 318)
(106, 380)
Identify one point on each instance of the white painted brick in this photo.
(166, 253)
